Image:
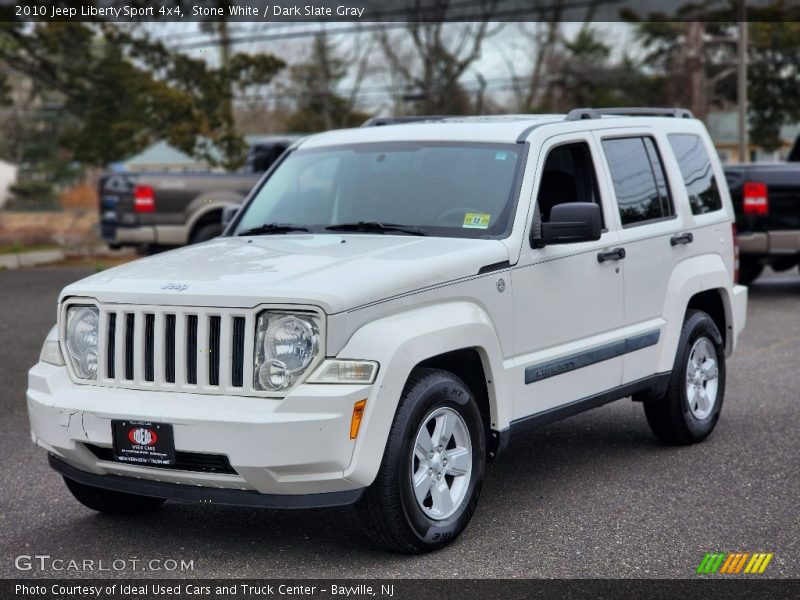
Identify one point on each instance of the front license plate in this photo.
(143, 442)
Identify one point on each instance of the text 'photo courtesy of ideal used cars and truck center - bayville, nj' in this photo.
(491, 299)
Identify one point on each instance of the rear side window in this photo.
(698, 175)
(639, 180)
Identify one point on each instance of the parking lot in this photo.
(592, 496)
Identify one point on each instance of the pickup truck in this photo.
(160, 210)
(766, 199)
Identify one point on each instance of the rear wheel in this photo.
(432, 469)
(111, 502)
(688, 412)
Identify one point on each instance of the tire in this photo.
(392, 515)
(206, 232)
(749, 270)
(678, 418)
(110, 502)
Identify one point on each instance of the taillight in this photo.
(755, 199)
(144, 200)
(735, 256)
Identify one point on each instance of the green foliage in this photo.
(314, 89)
(774, 81)
(121, 90)
(773, 63)
(32, 195)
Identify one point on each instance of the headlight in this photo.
(51, 352)
(286, 344)
(81, 340)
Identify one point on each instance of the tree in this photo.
(695, 63)
(122, 90)
(773, 81)
(580, 71)
(430, 69)
(314, 87)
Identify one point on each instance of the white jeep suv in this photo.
(388, 304)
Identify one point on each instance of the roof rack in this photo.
(576, 114)
(379, 121)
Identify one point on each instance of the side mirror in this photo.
(228, 213)
(570, 223)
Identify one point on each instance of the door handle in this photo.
(681, 238)
(615, 254)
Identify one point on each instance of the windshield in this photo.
(440, 189)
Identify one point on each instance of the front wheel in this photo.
(111, 502)
(432, 469)
(688, 412)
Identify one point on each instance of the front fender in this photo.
(399, 343)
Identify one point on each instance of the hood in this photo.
(334, 272)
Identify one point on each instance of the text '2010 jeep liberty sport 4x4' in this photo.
(389, 302)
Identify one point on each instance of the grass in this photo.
(17, 248)
(96, 263)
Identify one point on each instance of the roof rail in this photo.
(576, 114)
(378, 121)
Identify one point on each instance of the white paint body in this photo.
(399, 300)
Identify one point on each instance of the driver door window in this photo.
(568, 176)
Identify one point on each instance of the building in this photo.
(8, 177)
(161, 157)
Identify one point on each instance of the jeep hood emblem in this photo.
(178, 287)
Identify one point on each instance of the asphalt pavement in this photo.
(591, 496)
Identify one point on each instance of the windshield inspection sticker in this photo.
(476, 221)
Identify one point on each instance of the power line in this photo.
(400, 13)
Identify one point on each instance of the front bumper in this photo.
(205, 495)
(295, 445)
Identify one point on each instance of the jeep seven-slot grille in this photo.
(191, 349)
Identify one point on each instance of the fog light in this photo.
(355, 422)
(273, 376)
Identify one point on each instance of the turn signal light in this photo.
(355, 422)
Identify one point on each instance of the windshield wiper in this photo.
(269, 228)
(377, 227)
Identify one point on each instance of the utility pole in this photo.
(696, 68)
(741, 81)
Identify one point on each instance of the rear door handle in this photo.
(681, 238)
(615, 254)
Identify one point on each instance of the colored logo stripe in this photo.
(711, 562)
(758, 563)
(734, 562)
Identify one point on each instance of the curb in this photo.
(30, 259)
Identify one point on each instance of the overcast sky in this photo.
(506, 46)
